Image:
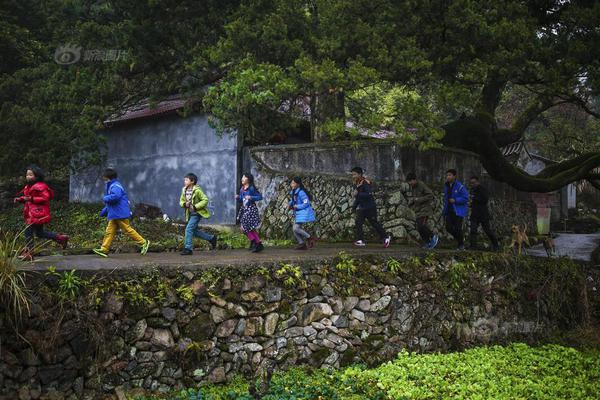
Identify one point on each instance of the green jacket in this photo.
(199, 201)
(421, 200)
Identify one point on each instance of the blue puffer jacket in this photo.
(116, 201)
(303, 211)
(460, 194)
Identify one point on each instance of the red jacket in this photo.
(37, 210)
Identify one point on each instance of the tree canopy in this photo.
(475, 75)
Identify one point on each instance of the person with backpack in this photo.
(35, 197)
(195, 203)
(303, 213)
(366, 209)
(117, 212)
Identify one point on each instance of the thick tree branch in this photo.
(476, 134)
(491, 95)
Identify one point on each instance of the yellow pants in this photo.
(111, 231)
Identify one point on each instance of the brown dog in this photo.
(548, 242)
(519, 238)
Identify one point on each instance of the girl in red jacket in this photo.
(36, 196)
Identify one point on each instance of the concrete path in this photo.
(216, 258)
(572, 245)
(578, 247)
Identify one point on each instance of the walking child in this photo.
(456, 200)
(117, 212)
(365, 207)
(248, 216)
(421, 201)
(303, 213)
(195, 203)
(36, 196)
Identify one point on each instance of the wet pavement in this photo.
(209, 258)
(577, 246)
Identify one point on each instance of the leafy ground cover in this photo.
(517, 371)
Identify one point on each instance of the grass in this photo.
(13, 290)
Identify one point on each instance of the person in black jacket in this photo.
(365, 207)
(480, 214)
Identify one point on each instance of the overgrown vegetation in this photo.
(14, 293)
(516, 371)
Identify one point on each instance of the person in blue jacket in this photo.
(456, 206)
(116, 210)
(248, 216)
(303, 213)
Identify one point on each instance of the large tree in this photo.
(434, 71)
(460, 58)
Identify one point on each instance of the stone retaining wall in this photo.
(335, 219)
(169, 329)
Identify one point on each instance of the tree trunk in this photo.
(326, 108)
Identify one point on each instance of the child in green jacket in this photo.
(195, 203)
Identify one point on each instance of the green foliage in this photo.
(346, 264)
(185, 293)
(515, 371)
(290, 275)
(394, 266)
(69, 284)
(145, 288)
(14, 293)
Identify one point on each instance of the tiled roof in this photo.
(144, 110)
(513, 148)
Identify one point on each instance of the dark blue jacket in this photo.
(364, 199)
(116, 201)
(303, 211)
(252, 192)
(460, 194)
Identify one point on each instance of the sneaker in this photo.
(387, 241)
(100, 252)
(213, 242)
(460, 248)
(360, 243)
(63, 240)
(145, 247)
(258, 248)
(186, 252)
(434, 241)
(426, 246)
(302, 246)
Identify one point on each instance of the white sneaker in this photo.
(387, 241)
(360, 243)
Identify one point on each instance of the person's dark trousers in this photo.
(37, 230)
(454, 226)
(485, 225)
(424, 231)
(369, 214)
